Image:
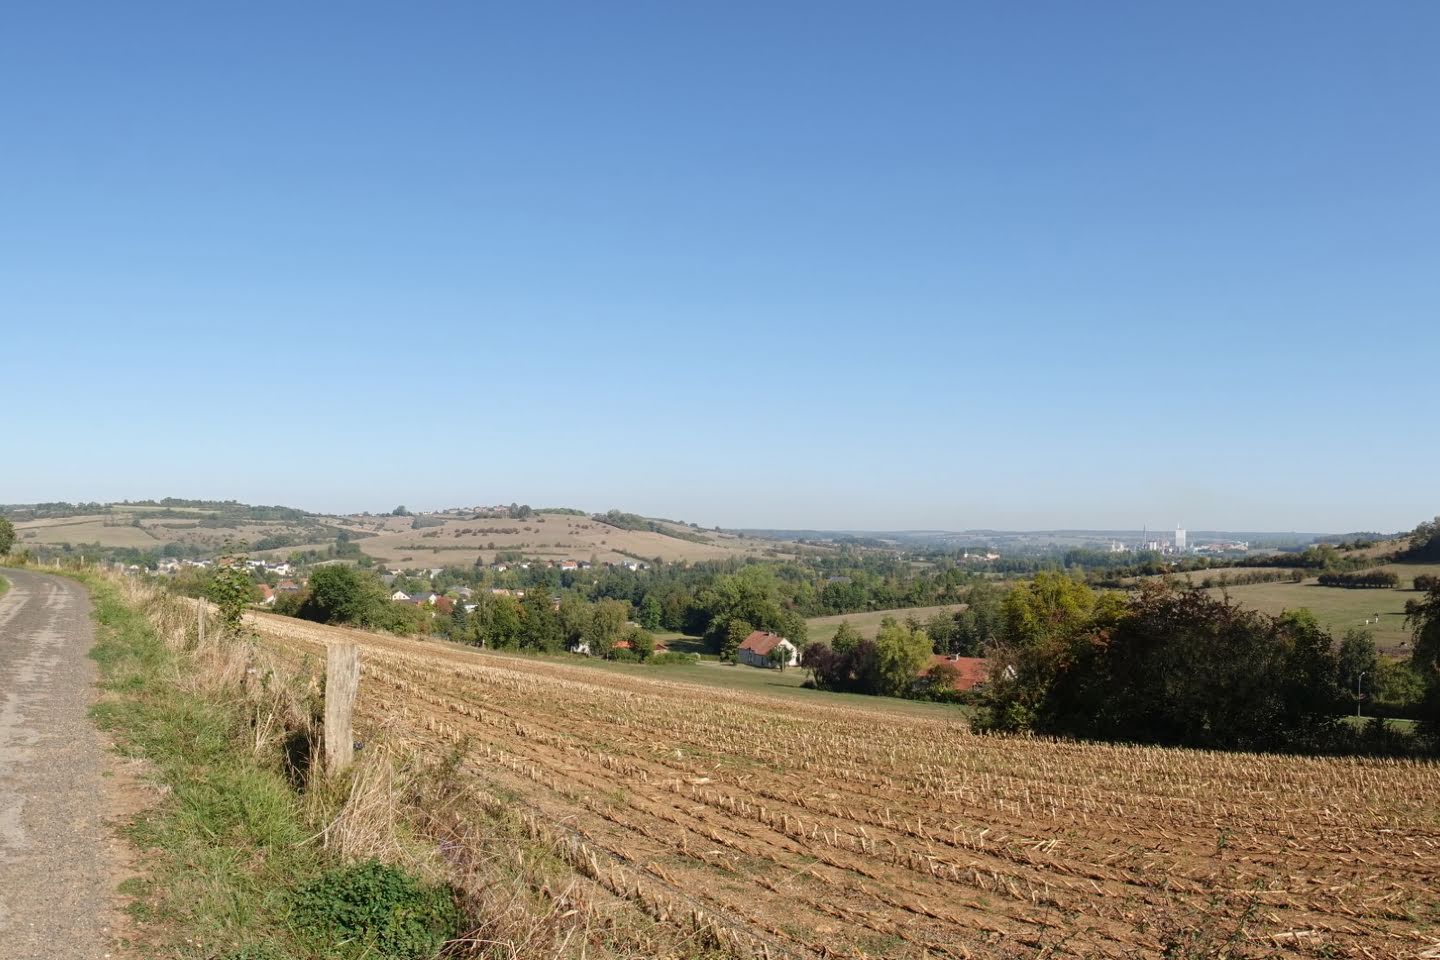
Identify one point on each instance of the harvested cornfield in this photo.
(819, 831)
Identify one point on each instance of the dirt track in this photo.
(839, 830)
(58, 855)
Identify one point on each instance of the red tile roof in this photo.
(761, 643)
(967, 672)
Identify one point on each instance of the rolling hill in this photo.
(197, 528)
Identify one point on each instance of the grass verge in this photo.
(231, 863)
(245, 858)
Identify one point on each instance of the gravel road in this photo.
(58, 852)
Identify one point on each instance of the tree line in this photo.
(1174, 665)
(339, 594)
(1364, 580)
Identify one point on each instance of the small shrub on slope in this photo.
(375, 911)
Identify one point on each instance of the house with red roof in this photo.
(756, 650)
(957, 673)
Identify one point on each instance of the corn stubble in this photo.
(589, 810)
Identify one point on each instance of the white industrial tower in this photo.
(1180, 539)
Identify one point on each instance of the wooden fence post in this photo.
(342, 680)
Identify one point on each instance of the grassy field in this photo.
(823, 628)
(817, 828)
(785, 684)
(1339, 608)
(1409, 571)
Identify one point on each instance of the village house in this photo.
(961, 673)
(267, 595)
(756, 650)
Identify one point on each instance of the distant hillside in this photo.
(1021, 541)
(432, 540)
(169, 527)
(176, 527)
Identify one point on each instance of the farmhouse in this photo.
(756, 650)
(963, 673)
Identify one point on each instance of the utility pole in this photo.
(1357, 692)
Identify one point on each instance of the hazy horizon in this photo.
(1160, 530)
(814, 266)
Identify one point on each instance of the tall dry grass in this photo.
(283, 701)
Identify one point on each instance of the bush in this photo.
(375, 911)
(675, 658)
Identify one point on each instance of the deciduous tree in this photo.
(901, 653)
(1358, 656)
(846, 638)
(342, 594)
(607, 626)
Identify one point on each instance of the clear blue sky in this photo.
(821, 264)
